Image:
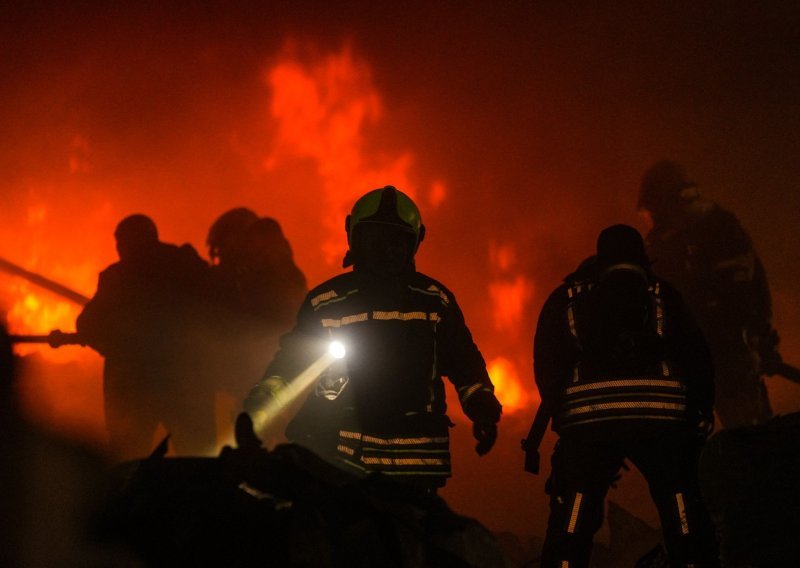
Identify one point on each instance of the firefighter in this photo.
(628, 376)
(272, 285)
(257, 290)
(142, 319)
(227, 244)
(382, 407)
(705, 253)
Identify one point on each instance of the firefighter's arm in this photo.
(99, 324)
(463, 363)
(689, 349)
(553, 350)
(296, 352)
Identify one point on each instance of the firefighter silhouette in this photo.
(705, 253)
(382, 407)
(257, 289)
(628, 376)
(143, 320)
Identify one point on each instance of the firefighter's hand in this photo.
(260, 394)
(705, 425)
(486, 435)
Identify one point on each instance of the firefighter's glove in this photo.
(483, 408)
(486, 434)
(705, 425)
(265, 390)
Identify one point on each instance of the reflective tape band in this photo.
(682, 513)
(432, 291)
(633, 405)
(576, 509)
(316, 300)
(403, 441)
(404, 461)
(397, 315)
(617, 383)
(349, 435)
(596, 398)
(346, 450)
(346, 320)
(583, 420)
(470, 390)
(571, 319)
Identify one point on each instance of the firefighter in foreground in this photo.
(143, 319)
(628, 376)
(382, 407)
(705, 253)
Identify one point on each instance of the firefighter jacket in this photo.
(671, 381)
(382, 407)
(710, 259)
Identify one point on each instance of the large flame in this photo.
(34, 311)
(322, 107)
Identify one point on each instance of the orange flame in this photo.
(509, 291)
(322, 109)
(507, 386)
(32, 310)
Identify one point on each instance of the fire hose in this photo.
(54, 339)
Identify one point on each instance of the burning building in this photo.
(520, 130)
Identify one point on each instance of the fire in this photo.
(507, 386)
(510, 291)
(52, 252)
(322, 107)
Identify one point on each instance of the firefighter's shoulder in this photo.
(333, 289)
(423, 284)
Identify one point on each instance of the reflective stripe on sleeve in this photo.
(470, 390)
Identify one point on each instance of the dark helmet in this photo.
(228, 231)
(388, 206)
(136, 229)
(621, 244)
(663, 185)
(265, 235)
(385, 206)
(135, 235)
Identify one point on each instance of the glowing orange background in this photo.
(521, 133)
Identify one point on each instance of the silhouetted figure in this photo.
(227, 250)
(628, 376)
(705, 253)
(144, 319)
(257, 289)
(382, 407)
(272, 285)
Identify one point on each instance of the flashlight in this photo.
(337, 350)
(297, 387)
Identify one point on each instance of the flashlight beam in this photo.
(293, 390)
